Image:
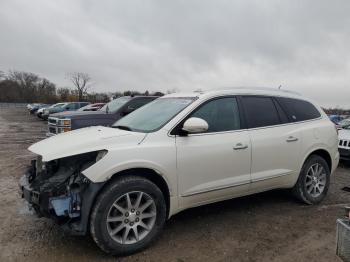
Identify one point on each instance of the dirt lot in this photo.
(266, 227)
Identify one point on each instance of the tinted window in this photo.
(282, 113)
(260, 111)
(83, 104)
(115, 104)
(221, 114)
(299, 110)
(70, 106)
(138, 102)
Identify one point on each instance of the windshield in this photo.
(114, 105)
(154, 115)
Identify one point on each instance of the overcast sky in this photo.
(185, 45)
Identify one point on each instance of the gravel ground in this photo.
(270, 226)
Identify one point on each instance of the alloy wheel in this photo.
(131, 217)
(316, 179)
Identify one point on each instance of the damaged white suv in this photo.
(121, 183)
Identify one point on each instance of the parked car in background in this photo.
(40, 111)
(106, 116)
(121, 183)
(344, 123)
(344, 143)
(69, 106)
(92, 107)
(29, 106)
(35, 107)
(336, 118)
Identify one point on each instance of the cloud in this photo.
(161, 45)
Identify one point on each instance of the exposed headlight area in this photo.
(101, 155)
(58, 189)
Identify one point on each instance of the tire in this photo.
(307, 181)
(114, 199)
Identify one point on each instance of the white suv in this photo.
(121, 183)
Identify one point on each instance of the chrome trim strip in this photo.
(270, 177)
(234, 185)
(215, 189)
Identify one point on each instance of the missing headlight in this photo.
(101, 154)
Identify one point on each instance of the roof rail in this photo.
(265, 89)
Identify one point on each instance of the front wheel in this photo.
(128, 215)
(314, 179)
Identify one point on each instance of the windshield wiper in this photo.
(123, 128)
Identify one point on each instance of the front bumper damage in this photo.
(59, 191)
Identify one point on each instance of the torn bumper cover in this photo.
(58, 190)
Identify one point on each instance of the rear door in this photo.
(275, 143)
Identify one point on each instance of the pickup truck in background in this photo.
(106, 116)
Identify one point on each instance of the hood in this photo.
(344, 134)
(84, 140)
(79, 114)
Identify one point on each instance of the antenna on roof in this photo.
(279, 88)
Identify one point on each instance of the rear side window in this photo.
(299, 110)
(221, 114)
(282, 113)
(260, 111)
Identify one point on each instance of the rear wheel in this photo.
(313, 183)
(128, 215)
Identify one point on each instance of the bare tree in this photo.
(2, 75)
(81, 83)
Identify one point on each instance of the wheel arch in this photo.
(322, 153)
(149, 174)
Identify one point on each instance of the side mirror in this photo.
(195, 125)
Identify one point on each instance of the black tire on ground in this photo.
(118, 188)
(300, 189)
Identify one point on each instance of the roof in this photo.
(238, 91)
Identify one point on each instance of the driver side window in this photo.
(221, 114)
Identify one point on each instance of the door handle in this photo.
(292, 139)
(240, 146)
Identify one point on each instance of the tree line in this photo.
(337, 111)
(26, 87)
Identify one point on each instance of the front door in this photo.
(214, 165)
